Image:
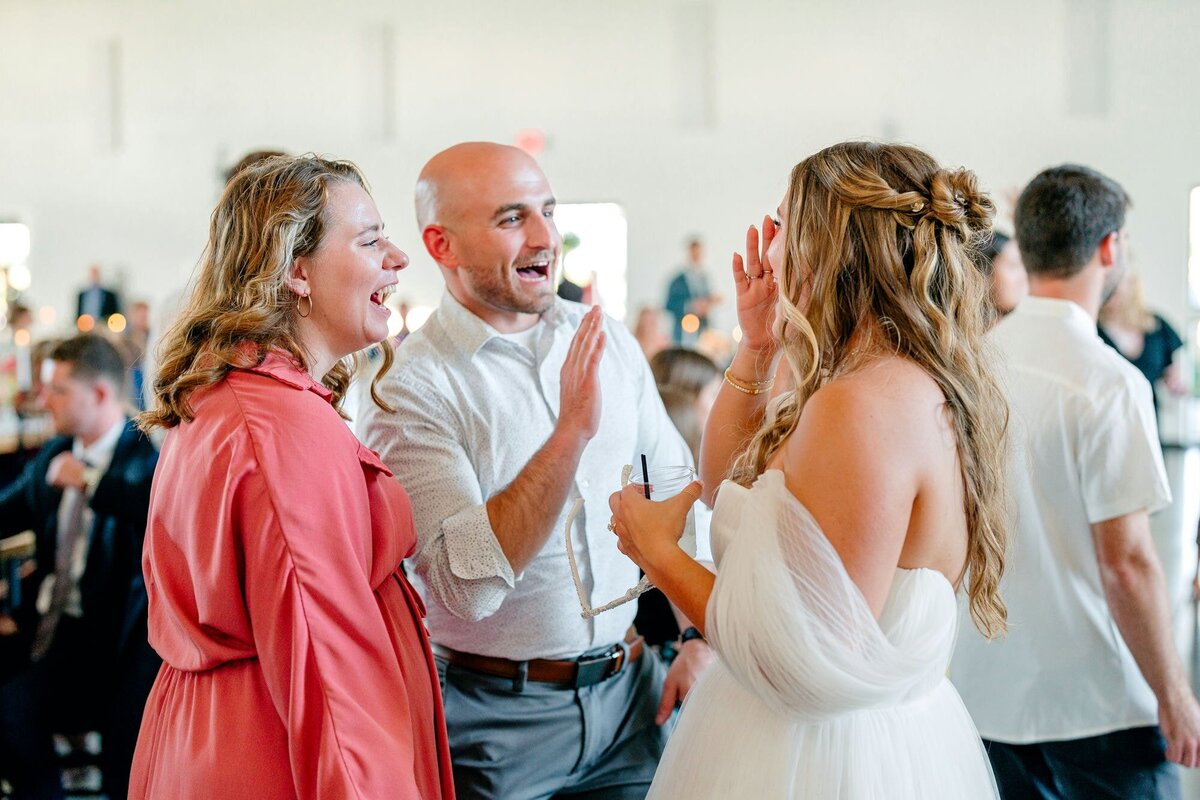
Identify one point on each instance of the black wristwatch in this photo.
(689, 634)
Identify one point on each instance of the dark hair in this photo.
(1063, 214)
(250, 159)
(683, 368)
(91, 357)
(681, 408)
(989, 249)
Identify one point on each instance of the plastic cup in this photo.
(664, 481)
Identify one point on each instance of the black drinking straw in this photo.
(645, 477)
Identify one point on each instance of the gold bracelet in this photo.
(755, 387)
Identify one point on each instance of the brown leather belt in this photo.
(579, 672)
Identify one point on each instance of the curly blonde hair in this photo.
(241, 307)
(890, 243)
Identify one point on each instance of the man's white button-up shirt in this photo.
(472, 408)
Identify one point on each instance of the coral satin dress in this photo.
(296, 663)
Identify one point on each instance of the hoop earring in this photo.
(299, 310)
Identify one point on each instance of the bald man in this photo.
(510, 404)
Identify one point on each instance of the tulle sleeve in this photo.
(793, 628)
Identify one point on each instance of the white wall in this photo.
(201, 82)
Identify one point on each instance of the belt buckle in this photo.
(596, 669)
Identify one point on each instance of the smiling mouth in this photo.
(537, 271)
(380, 296)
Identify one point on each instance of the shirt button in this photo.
(584, 483)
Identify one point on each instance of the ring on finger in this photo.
(612, 527)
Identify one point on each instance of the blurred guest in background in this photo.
(648, 330)
(97, 301)
(85, 663)
(689, 293)
(296, 659)
(569, 290)
(1002, 261)
(136, 340)
(1145, 339)
(20, 318)
(689, 382)
(250, 159)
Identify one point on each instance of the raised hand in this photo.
(65, 470)
(579, 390)
(755, 284)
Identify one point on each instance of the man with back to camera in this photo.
(1068, 701)
(86, 663)
(499, 427)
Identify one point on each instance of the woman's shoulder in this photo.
(889, 409)
(295, 422)
(884, 385)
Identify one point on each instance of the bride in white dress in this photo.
(860, 500)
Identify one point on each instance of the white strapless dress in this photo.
(810, 697)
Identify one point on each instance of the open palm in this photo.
(755, 284)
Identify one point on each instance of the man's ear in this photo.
(1109, 249)
(297, 277)
(103, 389)
(437, 244)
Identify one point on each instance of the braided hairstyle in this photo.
(880, 238)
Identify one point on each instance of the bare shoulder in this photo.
(891, 400)
(857, 460)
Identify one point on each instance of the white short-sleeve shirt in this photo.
(1083, 449)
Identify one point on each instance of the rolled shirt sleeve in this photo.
(458, 556)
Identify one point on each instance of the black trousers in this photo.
(1121, 765)
(59, 694)
(74, 689)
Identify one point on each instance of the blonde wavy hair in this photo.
(241, 307)
(889, 244)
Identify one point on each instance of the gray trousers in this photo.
(543, 740)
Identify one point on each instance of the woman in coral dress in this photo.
(295, 658)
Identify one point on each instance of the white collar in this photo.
(100, 452)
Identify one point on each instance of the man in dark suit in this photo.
(80, 659)
(96, 301)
